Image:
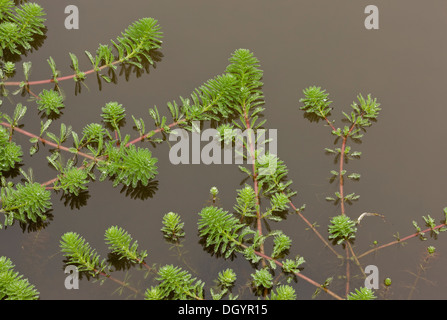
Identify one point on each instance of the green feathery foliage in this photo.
(120, 242)
(64, 133)
(8, 68)
(175, 284)
(271, 175)
(12, 284)
(364, 112)
(104, 56)
(134, 47)
(10, 152)
(431, 223)
(19, 113)
(138, 40)
(244, 66)
(225, 281)
(218, 98)
(128, 166)
(79, 75)
(430, 249)
(246, 202)
(72, 180)
(262, 278)
(316, 102)
(19, 26)
(362, 294)
(172, 226)
(282, 244)
(92, 132)
(342, 228)
(27, 202)
(226, 133)
(113, 114)
(79, 253)
(5, 7)
(50, 101)
(227, 278)
(211, 101)
(292, 266)
(221, 230)
(279, 201)
(283, 292)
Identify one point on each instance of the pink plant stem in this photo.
(141, 138)
(347, 271)
(255, 178)
(355, 258)
(342, 158)
(47, 81)
(343, 147)
(313, 228)
(50, 182)
(341, 191)
(401, 240)
(121, 283)
(29, 134)
(299, 274)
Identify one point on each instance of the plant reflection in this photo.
(140, 191)
(76, 201)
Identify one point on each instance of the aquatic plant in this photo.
(342, 229)
(19, 27)
(12, 284)
(231, 102)
(362, 294)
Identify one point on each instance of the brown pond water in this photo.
(299, 44)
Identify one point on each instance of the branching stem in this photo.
(299, 274)
(255, 178)
(44, 141)
(401, 240)
(314, 229)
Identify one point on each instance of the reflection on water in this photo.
(298, 44)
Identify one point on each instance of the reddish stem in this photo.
(49, 182)
(255, 178)
(141, 138)
(329, 123)
(313, 228)
(47, 81)
(401, 240)
(347, 271)
(44, 141)
(121, 283)
(299, 274)
(342, 158)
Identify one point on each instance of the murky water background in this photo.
(299, 43)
